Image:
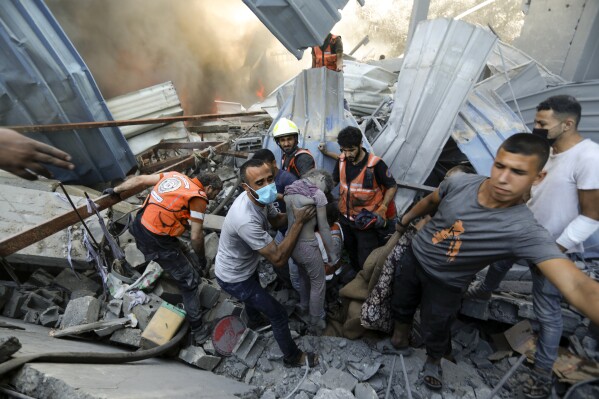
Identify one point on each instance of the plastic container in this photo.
(164, 325)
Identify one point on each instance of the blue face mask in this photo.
(266, 195)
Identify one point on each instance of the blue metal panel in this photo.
(483, 123)
(298, 24)
(43, 80)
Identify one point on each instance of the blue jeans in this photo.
(546, 301)
(257, 300)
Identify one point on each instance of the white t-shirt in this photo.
(244, 232)
(554, 201)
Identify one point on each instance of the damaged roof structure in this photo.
(458, 85)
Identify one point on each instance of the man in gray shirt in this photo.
(477, 221)
(244, 237)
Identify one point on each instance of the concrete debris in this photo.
(364, 391)
(50, 317)
(196, 356)
(72, 281)
(249, 347)
(8, 347)
(338, 393)
(334, 378)
(127, 336)
(81, 311)
(144, 312)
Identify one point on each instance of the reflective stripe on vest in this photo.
(327, 59)
(291, 167)
(166, 209)
(355, 194)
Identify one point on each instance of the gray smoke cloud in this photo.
(209, 49)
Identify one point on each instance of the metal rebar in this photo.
(390, 378)
(506, 377)
(405, 376)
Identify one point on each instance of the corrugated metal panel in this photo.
(45, 81)
(366, 86)
(156, 101)
(298, 24)
(483, 123)
(587, 93)
(316, 106)
(523, 79)
(444, 60)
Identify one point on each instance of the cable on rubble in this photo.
(94, 357)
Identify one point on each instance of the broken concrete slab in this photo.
(211, 247)
(196, 356)
(8, 347)
(167, 289)
(133, 256)
(364, 391)
(79, 311)
(5, 295)
(50, 316)
(214, 222)
(72, 281)
(338, 393)
(249, 347)
(40, 278)
(36, 303)
(12, 308)
(335, 378)
(222, 309)
(32, 316)
(209, 293)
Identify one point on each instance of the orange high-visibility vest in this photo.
(327, 58)
(291, 167)
(356, 195)
(166, 209)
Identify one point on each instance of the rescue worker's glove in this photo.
(369, 220)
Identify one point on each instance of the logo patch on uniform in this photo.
(168, 185)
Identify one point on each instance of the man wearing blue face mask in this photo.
(244, 237)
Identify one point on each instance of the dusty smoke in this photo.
(209, 49)
(220, 50)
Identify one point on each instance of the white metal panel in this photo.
(444, 60)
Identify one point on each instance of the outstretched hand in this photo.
(305, 213)
(25, 157)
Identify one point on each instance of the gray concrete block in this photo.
(113, 309)
(50, 316)
(81, 293)
(8, 347)
(127, 336)
(335, 378)
(338, 393)
(248, 348)
(81, 311)
(209, 293)
(209, 347)
(12, 308)
(264, 365)
(73, 281)
(133, 256)
(224, 308)
(5, 294)
(210, 247)
(40, 278)
(476, 308)
(56, 296)
(365, 391)
(196, 356)
(37, 303)
(32, 316)
(168, 290)
(145, 312)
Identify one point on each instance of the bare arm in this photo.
(425, 206)
(389, 194)
(579, 290)
(325, 233)
(278, 255)
(137, 182)
(25, 157)
(588, 201)
(323, 148)
(197, 238)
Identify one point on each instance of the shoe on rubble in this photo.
(476, 291)
(539, 384)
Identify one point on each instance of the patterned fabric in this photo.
(376, 309)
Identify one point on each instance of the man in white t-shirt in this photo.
(566, 203)
(244, 237)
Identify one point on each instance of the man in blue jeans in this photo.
(566, 203)
(244, 237)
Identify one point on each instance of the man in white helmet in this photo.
(294, 160)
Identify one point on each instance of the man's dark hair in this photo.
(527, 144)
(562, 106)
(332, 212)
(349, 137)
(264, 154)
(210, 179)
(250, 163)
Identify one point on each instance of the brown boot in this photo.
(401, 336)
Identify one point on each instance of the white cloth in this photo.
(554, 201)
(244, 232)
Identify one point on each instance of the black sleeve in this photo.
(303, 163)
(383, 175)
(338, 46)
(336, 178)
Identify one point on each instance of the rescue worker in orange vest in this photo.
(366, 189)
(174, 202)
(294, 159)
(330, 54)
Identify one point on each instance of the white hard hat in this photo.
(284, 127)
